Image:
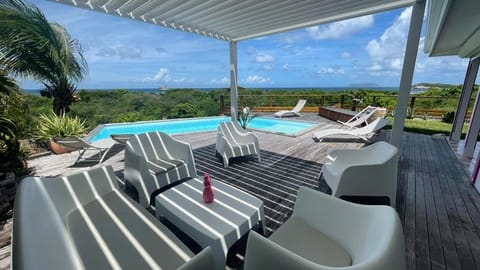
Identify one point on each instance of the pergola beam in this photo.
(407, 73)
(464, 100)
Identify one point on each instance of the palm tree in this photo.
(32, 47)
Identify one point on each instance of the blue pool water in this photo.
(180, 126)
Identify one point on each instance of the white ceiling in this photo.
(453, 28)
(235, 20)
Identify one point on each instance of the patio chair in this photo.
(83, 146)
(155, 160)
(84, 221)
(293, 112)
(361, 133)
(370, 171)
(233, 141)
(360, 118)
(325, 233)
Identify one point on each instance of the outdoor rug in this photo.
(275, 180)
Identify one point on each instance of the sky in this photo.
(126, 54)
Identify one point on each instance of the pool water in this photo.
(180, 126)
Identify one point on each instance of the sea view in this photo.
(157, 90)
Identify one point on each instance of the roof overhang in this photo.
(453, 28)
(236, 20)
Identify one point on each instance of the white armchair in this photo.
(233, 141)
(154, 160)
(325, 233)
(369, 171)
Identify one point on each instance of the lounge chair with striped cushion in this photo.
(155, 160)
(233, 141)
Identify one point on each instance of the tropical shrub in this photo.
(185, 110)
(40, 50)
(12, 156)
(52, 126)
(448, 117)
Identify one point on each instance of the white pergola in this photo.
(236, 20)
(453, 28)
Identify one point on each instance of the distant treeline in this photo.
(99, 107)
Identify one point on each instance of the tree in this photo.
(32, 47)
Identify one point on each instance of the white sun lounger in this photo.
(360, 118)
(378, 124)
(83, 146)
(294, 112)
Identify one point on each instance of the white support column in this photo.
(473, 129)
(462, 107)
(407, 73)
(233, 81)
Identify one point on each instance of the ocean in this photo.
(156, 90)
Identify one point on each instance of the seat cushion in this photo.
(161, 166)
(306, 241)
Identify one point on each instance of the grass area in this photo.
(427, 126)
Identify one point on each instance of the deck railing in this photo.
(419, 106)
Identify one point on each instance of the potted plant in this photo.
(52, 126)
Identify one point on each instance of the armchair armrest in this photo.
(137, 174)
(203, 260)
(182, 150)
(263, 253)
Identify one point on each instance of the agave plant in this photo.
(53, 126)
(244, 117)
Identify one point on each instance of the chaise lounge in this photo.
(83, 146)
(361, 133)
(293, 112)
(361, 118)
(84, 221)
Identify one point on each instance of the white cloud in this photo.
(285, 67)
(264, 58)
(163, 75)
(268, 66)
(330, 70)
(345, 55)
(257, 79)
(341, 29)
(386, 53)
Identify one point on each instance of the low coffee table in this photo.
(219, 224)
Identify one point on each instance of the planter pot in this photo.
(59, 149)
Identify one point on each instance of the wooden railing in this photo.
(419, 106)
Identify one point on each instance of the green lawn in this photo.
(427, 126)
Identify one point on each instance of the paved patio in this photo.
(438, 207)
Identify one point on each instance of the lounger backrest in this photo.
(72, 142)
(377, 124)
(152, 145)
(299, 105)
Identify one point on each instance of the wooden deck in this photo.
(439, 209)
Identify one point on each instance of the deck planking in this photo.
(436, 203)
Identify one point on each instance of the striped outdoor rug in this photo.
(275, 179)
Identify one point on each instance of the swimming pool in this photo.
(179, 126)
